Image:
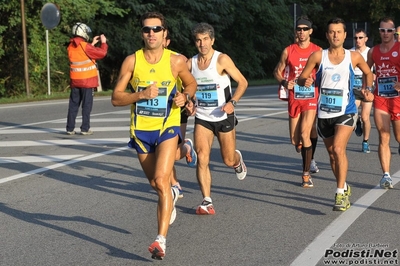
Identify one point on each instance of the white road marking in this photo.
(63, 120)
(38, 159)
(46, 103)
(60, 130)
(107, 120)
(54, 166)
(312, 253)
(63, 142)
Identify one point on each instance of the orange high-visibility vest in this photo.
(81, 66)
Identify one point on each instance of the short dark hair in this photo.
(358, 30)
(153, 15)
(386, 20)
(203, 28)
(336, 21)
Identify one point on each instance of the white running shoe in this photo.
(386, 182)
(175, 195)
(313, 167)
(241, 170)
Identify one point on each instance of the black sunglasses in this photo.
(360, 37)
(303, 29)
(155, 29)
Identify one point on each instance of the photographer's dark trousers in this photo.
(77, 97)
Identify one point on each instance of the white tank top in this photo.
(358, 73)
(213, 90)
(334, 81)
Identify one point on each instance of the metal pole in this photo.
(26, 71)
(294, 15)
(48, 62)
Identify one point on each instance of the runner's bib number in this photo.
(303, 92)
(331, 100)
(357, 82)
(386, 87)
(207, 95)
(156, 107)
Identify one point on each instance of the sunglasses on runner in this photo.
(359, 37)
(155, 29)
(384, 30)
(303, 29)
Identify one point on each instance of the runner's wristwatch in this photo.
(233, 102)
(188, 99)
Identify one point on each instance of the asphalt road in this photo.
(84, 200)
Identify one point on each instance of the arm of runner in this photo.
(359, 61)
(280, 67)
(181, 70)
(226, 65)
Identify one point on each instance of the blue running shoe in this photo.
(180, 190)
(191, 157)
(365, 147)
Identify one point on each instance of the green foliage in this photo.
(252, 32)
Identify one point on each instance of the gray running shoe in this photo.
(386, 182)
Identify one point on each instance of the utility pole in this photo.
(25, 49)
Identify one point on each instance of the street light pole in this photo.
(25, 49)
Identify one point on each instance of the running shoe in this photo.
(180, 190)
(157, 250)
(298, 148)
(175, 195)
(241, 170)
(307, 181)
(348, 191)
(313, 167)
(205, 208)
(365, 147)
(342, 202)
(71, 132)
(89, 132)
(191, 157)
(386, 182)
(358, 127)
